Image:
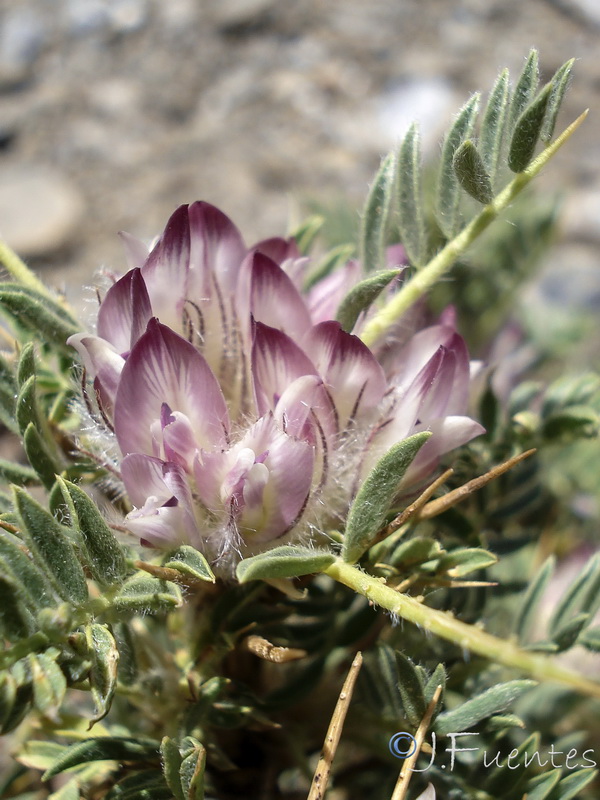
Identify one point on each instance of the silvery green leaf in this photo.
(566, 634)
(590, 639)
(146, 595)
(26, 365)
(448, 189)
(69, 791)
(8, 392)
(128, 665)
(27, 410)
(525, 89)
(306, 233)
(410, 198)
(375, 217)
(438, 678)
(35, 589)
(56, 622)
(414, 551)
(16, 621)
(47, 541)
(361, 296)
(189, 561)
(39, 456)
(191, 773)
(540, 787)
(471, 173)
(106, 558)
(570, 786)
(104, 656)
(11, 472)
(411, 691)
(559, 83)
(48, 682)
(527, 132)
(571, 391)
(145, 785)
(493, 124)
(582, 596)
(171, 765)
(39, 314)
(462, 561)
(283, 562)
(375, 497)
(528, 608)
(104, 748)
(484, 705)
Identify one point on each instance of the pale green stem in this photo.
(468, 637)
(428, 275)
(20, 271)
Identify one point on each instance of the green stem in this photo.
(428, 275)
(19, 270)
(468, 637)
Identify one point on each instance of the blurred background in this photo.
(113, 112)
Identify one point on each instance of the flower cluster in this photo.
(242, 411)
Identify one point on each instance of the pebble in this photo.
(234, 14)
(22, 37)
(39, 209)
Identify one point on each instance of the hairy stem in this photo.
(428, 275)
(468, 637)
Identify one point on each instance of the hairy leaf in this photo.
(471, 172)
(411, 691)
(493, 124)
(104, 748)
(144, 594)
(47, 540)
(171, 764)
(525, 89)
(361, 296)
(375, 497)
(39, 314)
(49, 683)
(481, 706)
(560, 83)
(283, 562)
(448, 190)
(410, 202)
(189, 561)
(106, 558)
(375, 217)
(40, 456)
(527, 132)
(582, 596)
(104, 655)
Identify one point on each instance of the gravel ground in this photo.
(116, 111)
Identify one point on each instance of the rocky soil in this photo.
(113, 112)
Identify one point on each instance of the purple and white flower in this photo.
(242, 412)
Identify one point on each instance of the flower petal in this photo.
(271, 297)
(101, 362)
(166, 269)
(351, 373)
(125, 312)
(165, 368)
(164, 515)
(276, 362)
(216, 246)
(136, 251)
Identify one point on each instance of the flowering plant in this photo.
(243, 493)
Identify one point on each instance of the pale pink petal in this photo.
(447, 434)
(165, 368)
(352, 375)
(276, 362)
(302, 401)
(285, 494)
(166, 270)
(164, 515)
(209, 473)
(272, 297)
(125, 312)
(179, 440)
(216, 246)
(285, 253)
(136, 251)
(101, 362)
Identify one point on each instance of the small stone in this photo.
(237, 14)
(39, 209)
(22, 37)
